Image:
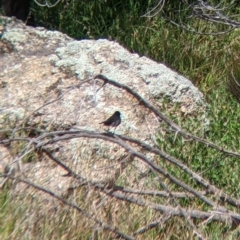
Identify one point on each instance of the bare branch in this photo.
(152, 225)
(198, 9)
(76, 207)
(47, 3)
(66, 135)
(177, 128)
(234, 86)
(175, 211)
(115, 139)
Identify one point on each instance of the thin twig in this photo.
(177, 128)
(74, 206)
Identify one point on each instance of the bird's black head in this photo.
(117, 113)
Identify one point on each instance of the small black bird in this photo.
(113, 121)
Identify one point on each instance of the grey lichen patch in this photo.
(152, 80)
(72, 49)
(11, 115)
(14, 37)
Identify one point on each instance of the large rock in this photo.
(37, 65)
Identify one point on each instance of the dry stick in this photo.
(195, 176)
(58, 98)
(214, 215)
(187, 217)
(169, 210)
(28, 116)
(72, 205)
(155, 10)
(119, 188)
(151, 225)
(210, 188)
(73, 174)
(58, 162)
(48, 103)
(13, 131)
(201, 10)
(185, 27)
(156, 193)
(195, 214)
(111, 138)
(70, 172)
(177, 128)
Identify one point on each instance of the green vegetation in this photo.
(207, 60)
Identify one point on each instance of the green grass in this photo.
(223, 130)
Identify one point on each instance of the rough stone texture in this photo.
(36, 65)
(88, 58)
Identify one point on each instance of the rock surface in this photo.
(38, 65)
